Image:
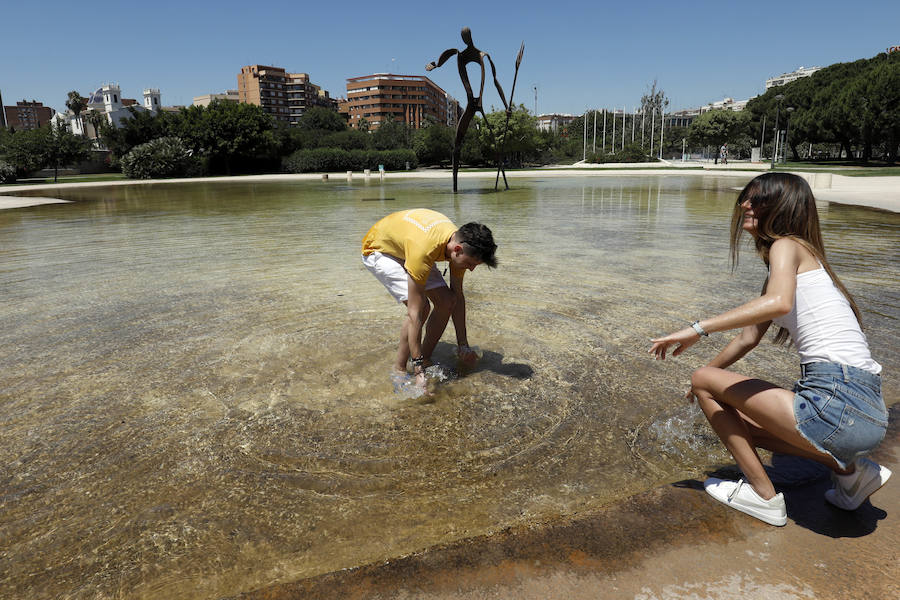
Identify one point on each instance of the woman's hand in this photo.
(684, 339)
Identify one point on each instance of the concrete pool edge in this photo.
(667, 542)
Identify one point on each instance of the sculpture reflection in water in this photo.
(471, 54)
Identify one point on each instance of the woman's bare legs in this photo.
(738, 408)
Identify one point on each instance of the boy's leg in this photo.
(403, 348)
(443, 299)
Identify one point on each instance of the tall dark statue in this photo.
(469, 54)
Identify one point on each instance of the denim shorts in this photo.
(839, 409)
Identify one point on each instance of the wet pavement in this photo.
(672, 542)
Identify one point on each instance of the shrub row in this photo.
(335, 159)
(161, 158)
(632, 153)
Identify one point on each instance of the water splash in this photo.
(405, 386)
(440, 373)
(682, 432)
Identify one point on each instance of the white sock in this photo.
(848, 479)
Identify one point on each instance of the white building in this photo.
(786, 78)
(108, 102)
(553, 122)
(683, 118)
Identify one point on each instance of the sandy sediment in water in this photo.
(875, 192)
(672, 542)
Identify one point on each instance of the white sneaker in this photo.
(865, 481)
(741, 496)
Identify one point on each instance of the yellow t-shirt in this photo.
(418, 236)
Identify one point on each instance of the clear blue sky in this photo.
(579, 55)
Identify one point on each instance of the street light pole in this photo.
(779, 97)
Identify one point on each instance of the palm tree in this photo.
(97, 119)
(76, 104)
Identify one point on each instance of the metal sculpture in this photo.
(471, 54)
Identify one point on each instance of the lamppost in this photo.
(787, 131)
(779, 97)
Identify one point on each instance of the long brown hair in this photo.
(785, 207)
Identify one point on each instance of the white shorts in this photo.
(390, 272)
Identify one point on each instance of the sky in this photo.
(578, 55)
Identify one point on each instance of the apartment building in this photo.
(410, 98)
(283, 95)
(786, 78)
(27, 115)
(206, 99)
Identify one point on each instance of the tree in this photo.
(433, 143)
(97, 119)
(391, 135)
(49, 146)
(141, 128)
(653, 106)
(517, 144)
(227, 133)
(25, 150)
(76, 103)
(62, 147)
(851, 104)
(321, 118)
(517, 139)
(349, 139)
(717, 127)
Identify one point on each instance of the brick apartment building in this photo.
(410, 98)
(26, 115)
(283, 95)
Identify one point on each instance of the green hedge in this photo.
(632, 153)
(161, 158)
(336, 160)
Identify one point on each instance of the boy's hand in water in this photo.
(421, 380)
(467, 355)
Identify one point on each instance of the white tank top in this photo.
(822, 325)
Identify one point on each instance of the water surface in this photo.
(195, 400)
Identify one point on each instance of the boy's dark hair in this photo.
(478, 242)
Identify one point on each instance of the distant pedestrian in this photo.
(723, 152)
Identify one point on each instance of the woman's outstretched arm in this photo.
(776, 300)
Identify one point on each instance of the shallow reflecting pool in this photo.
(195, 400)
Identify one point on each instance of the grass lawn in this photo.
(844, 167)
(70, 179)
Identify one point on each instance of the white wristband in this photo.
(700, 331)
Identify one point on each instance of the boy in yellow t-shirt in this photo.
(401, 251)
